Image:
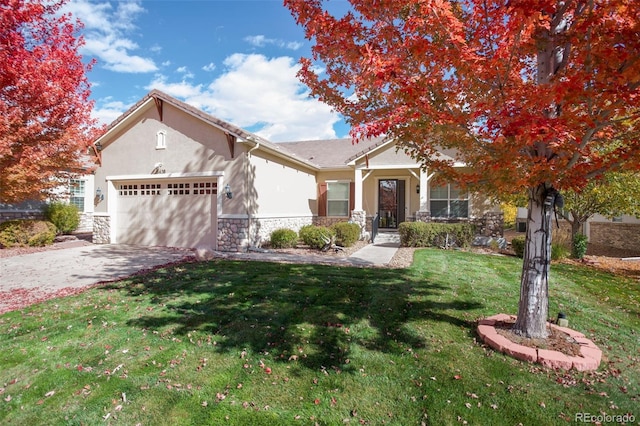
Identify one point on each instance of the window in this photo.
(448, 201)
(161, 139)
(76, 192)
(338, 198)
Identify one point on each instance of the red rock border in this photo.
(589, 359)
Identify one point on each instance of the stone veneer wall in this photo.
(233, 234)
(263, 227)
(86, 222)
(101, 229)
(624, 236)
(20, 214)
(328, 220)
(491, 224)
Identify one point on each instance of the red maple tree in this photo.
(541, 95)
(45, 123)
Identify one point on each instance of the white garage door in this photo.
(172, 213)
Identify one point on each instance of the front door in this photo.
(391, 203)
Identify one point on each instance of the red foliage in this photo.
(44, 98)
(530, 93)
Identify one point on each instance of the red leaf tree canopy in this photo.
(45, 123)
(540, 95)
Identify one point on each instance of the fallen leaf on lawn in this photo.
(50, 393)
(316, 401)
(542, 404)
(457, 377)
(204, 403)
(494, 406)
(7, 398)
(466, 404)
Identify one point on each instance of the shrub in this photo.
(315, 236)
(64, 216)
(284, 238)
(422, 234)
(33, 233)
(346, 233)
(517, 243)
(559, 251)
(579, 246)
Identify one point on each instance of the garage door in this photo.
(172, 213)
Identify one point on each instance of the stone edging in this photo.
(589, 359)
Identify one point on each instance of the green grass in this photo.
(191, 345)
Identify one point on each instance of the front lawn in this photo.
(230, 342)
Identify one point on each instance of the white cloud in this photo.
(185, 72)
(261, 41)
(107, 110)
(105, 32)
(182, 90)
(256, 92)
(209, 67)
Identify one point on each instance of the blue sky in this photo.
(236, 60)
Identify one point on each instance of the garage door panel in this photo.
(175, 214)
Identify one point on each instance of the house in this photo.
(172, 175)
(75, 189)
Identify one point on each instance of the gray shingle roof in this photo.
(330, 153)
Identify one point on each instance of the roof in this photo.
(316, 154)
(159, 95)
(331, 153)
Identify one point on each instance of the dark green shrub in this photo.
(33, 233)
(579, 246)
(517, 243)
(422, 234)
(346, 233)
(315, 236)
(65, 217)
(284, 238)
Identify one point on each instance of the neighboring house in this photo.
(173, 175)
(76, 190)
(621, 232)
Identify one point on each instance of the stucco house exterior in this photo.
(172, 175)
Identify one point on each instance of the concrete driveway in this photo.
(50, 271)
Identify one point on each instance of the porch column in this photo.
(423, 214)
(357, 177)
(358, 215)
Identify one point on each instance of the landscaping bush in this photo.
(33, 233)
(579, 246)
(346, 233)
(284, 238)
(315, 236)
(559, 251)
(65, 217)
(422, 234)
(517, 243)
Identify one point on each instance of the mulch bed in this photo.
(557, 340)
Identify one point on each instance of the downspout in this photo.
(248, 199)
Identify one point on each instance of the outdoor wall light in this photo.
(227, 191)
(98, 146)
(99, 194)
(417, 189)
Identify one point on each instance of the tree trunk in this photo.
(533, 308)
